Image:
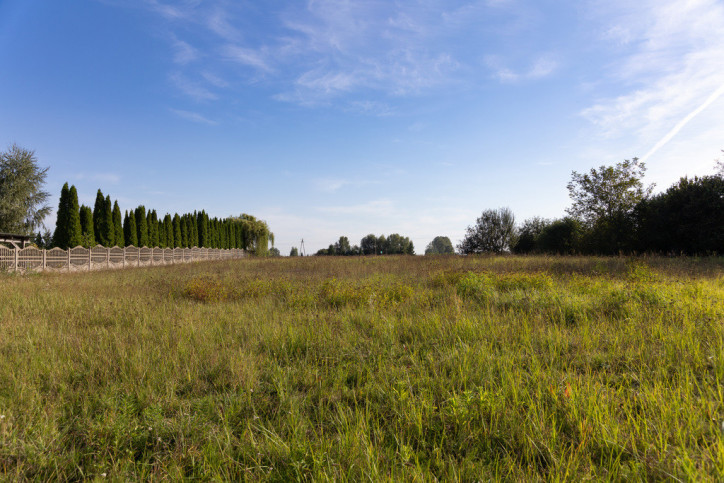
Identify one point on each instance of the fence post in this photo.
(108, 257)
(124, 257)
(45, 266)
(16, 256)
(69, 258)
(152, 256)
(90, 258)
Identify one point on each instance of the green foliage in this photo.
(440, 245)
(118, 226)
(688, 218)
(141, 226)
(168, 226)
(130, 231)
(561, 237)
(493, 232)
(178, 239)
(68, 233)
(294, 252)
(86, 226)
(22, 199)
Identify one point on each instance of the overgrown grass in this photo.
(409, 368)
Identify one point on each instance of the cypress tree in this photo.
(161, 234)
(118, 226)
(141, 226)
(130, 232)
(184, 232)
(202, 228)
(86, 226)
(168, 226)
(99, 228)
(177, 231)
(194, 230)
(60, 237)
(156, 241)
(75, 236)
(108, 226)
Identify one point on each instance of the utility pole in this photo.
(301, 248)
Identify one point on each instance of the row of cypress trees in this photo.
(104, 225)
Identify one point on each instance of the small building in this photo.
(18, 241)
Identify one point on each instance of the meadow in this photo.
(366, 368)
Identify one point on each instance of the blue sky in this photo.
(331, 118)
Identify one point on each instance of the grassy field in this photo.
(409, 368)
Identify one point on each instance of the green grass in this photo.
(394, 368)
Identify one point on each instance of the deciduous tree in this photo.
(22, 198)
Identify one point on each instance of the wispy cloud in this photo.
(671, 69)
(183, 52)
(191, 88)
(246, 56)
(383, 207)
(105, 178)
(330, 185)
(541, 67)
(192, 116)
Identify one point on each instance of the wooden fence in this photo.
(76, 259)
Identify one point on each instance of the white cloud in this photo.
(672, 66)
(192, 116)
(192, 89)
(245, 56)
(183, 52)
(543, 66)
(330, 185)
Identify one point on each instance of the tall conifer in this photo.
(86, 226)
(99, 209)
(74, 232)
(118, 226)
(60, 237)
(109, 230)
(168, 226)
(141, 226)
(130, 232)
(178, 239)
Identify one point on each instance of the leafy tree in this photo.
(118, 226)
(342, 247)
(561, 237)
(528, 234)
(493, 232)
(274, 252)
(440, 245)
(141, 226)
(687, 218)
(86, 227)
(368, 245)
(604, 200)
(294, 252)
(22, 199)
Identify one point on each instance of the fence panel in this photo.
(7, 258)
(131, 256)
(99, 257)
(30, 258)
(56, 259)
(116, 257)
(79, 258)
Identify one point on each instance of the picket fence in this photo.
(77, 259)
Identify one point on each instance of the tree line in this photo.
(613, 212)
(105, 225)
(394, 244)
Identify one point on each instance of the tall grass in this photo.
(375, 368)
